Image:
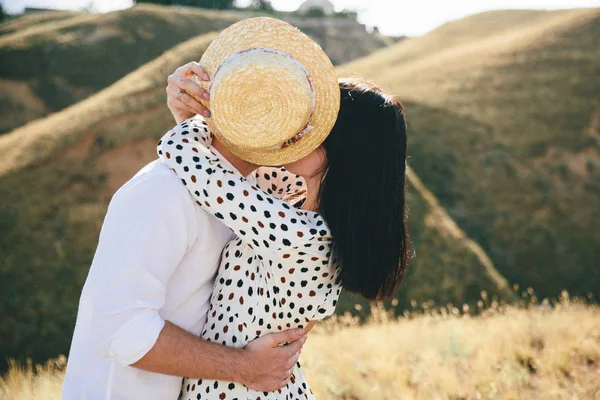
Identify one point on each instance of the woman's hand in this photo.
(180, 103)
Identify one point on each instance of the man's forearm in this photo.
(179, 353)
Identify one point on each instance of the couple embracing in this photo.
(217, 259)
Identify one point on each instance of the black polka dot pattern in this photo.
(276, 274)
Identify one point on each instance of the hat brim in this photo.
(279, 35)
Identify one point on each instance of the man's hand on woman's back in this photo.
(270, 360)
(265, 364)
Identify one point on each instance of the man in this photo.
(147, 293)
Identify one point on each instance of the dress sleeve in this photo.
(263, 222)
(330, 300)
(329, 289)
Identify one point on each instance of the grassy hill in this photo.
(48, 66)
(448, 267)
(52, 60)
(506, 133)
(58, 174)
(511, 354)
(26, 21)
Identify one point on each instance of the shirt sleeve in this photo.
(146, 233)
(332, 289)
(262, 221)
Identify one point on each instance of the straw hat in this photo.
(274, 94)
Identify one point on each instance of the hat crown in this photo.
(275, 109)
(277, 88)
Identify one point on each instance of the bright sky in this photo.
(393, 17)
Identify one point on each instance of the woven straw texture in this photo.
(261, 99)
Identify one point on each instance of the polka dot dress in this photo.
(276, 274)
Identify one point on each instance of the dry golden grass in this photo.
(542, 352)
(29, 382)
(506, 353)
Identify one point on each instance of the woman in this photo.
(348, 229)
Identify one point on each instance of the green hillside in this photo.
(36, 19)
(52, 60)
(56, 184)
(47, 67)
(506, 133)
(448, 266)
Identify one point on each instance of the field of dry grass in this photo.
(543, 352)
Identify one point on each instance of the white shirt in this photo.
(156, 260)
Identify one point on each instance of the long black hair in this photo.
(363, 192)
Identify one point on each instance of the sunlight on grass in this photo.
(543, 351)
(29, 382)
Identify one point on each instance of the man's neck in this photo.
(313, 186)
(244, 167)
